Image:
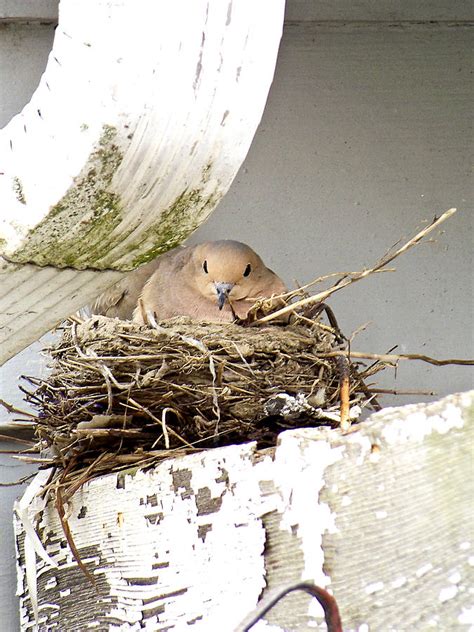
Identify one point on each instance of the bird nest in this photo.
(122, 393)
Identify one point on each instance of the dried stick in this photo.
(11, 438)
(357, 276)
(408, 391)
(12, 409)
(395, 357)
(301, 288)
(141, 307)
(159, 421)
(20, 481)
(327, 601)
(67, 532)
(344, 391)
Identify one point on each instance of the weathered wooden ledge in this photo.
(139, 125)
(382, 516)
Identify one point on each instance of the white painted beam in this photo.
(140, 122)
(381, 516)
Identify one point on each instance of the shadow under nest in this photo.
(122, 394)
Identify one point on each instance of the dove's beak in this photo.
(222, 290)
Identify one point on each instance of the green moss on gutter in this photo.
(206, 172)
(79, 231)
(84, 217)
(172, 226)
(176, 223)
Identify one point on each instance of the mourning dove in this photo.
(213, 281)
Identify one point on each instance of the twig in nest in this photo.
(80, 480)
(357, 276)
(20, 481)
(67, 532)
(105, 374)
(141, 307)
(75, 319)
(12, 409)
(358, 330)
(300, 290)
(165, 428)
(159, 421)
(312, 313)
(12, 439)
(393, 358)
(344, 391)
(408, 391)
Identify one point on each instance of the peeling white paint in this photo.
(51, 583)
(300, 486)
(374, 457)
(464, 546)
(447, 593)
(47, 606)
(264, 626)
(470, 560)
(364, 443)
(316, 611)
(426, 568)
(433, 622)
(399, 582)
(416, 425)
(373, 588)
(194, 523)
(467, 616)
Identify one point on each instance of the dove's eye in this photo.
(247, 270)
(204, 267)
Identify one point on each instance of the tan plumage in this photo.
(211, 281)
(120, 300)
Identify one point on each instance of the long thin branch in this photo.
(12, 409)
(357, 276)
(406, 391)
(301, 288)
(395, 357)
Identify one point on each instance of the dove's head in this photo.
(228, 270)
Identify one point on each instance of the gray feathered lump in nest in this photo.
(136, 392)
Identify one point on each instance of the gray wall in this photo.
(366, 135)
(24, 50)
